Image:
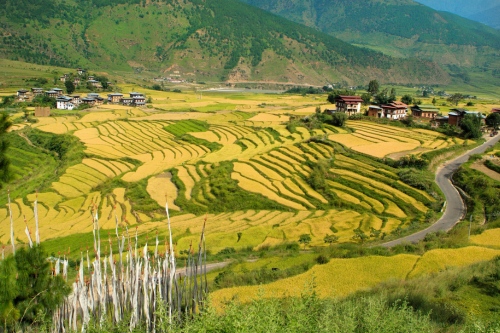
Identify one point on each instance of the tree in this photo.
(305, 239)
(330, 239)
(382, 97)
(367, 97)
(407, 99)
(434, 101)
(38, 291)
(493, 120)
(5, 124)
(373, 87)
(455, 98)
(471, 126)
(339, 119)
(392, 96)
(70, 87)
(8, 291)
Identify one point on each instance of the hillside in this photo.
(401, 28)
(484, 11)
(205, 40)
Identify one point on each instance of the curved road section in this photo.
(455, 207)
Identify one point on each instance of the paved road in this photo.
(455, 207)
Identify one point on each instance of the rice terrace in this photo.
(279, 200)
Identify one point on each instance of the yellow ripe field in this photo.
(490, 237)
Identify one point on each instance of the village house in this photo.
(90, 77)
(64, 103)
(98, 99)
(76, 100)
(127, 100)
(52, 93)
(37, 91)
(59, 91)
(349, 104)
(114, 98)
(80, 71)
(138, 99)
(424, 111)
(455, 116)
(395, 110)
(375, 111)
(94, 83)
(76, 81)
(89, 101)
(22, 95)
(495, 110)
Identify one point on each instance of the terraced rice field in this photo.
(383, 140)
(150, 148)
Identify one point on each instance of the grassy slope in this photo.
(194, 39)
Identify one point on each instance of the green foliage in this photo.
(493, 120)
(5, 124)
(339, 119)
(305, 91)
(471, 126)
(407, 99)
(490, 165)
(366, 97)
(339, 92)
(373, 87)
(141, 200)
(455, 98)
(305, 239)
(317, 177)
(330, 239)
(7, 101)
(213, 146)
(420, 179)
(384, 97)
(70, 87)
(28, 289)
(43, 100)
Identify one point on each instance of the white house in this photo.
(64, 103)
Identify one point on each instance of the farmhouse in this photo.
(89, 101)
(395, 110)
(59, 91)
(424, 111)
(76, 81)
(76, 100)
(94, 83)
(37, 91)
(375, 111)
(455, 116)
(127, 100)
(64, 103)
(52, 93)
(495, 110)
(139, 100)
(22, 95)
(349, 104)
(80, 71)
(115, 98)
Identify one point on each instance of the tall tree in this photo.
(70, 87)
(493, 120)
(455, 98)
(392, 96)
(471, 126)
(407, 99)
(5, 123)
(373, 87)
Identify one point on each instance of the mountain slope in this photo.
(211, 39)
(400, 28)
(484, 11)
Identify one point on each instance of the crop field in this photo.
(341, 277)
(490, 237)
(384, 140)
(235, 144)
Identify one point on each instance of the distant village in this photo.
(351, 105)
(70, 102)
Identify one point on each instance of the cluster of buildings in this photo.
(351, 105)
(93, 99)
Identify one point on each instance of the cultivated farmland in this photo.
(239, 164)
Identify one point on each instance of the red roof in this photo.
(495, 110)
(350, 99)
(395, 105)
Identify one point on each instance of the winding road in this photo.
(455, 207)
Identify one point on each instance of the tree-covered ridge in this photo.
(210, 38)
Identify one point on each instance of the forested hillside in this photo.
(223, 39)
(401, 28)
